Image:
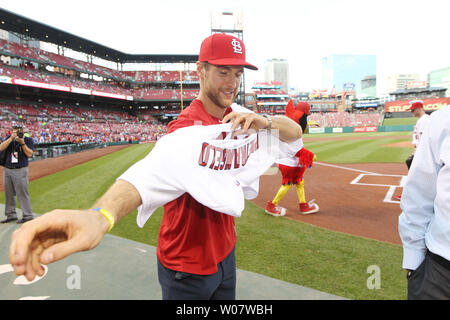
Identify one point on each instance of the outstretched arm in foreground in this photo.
(59, 233)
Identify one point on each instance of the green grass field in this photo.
(280, 248)
(360, 151)
(399, 121)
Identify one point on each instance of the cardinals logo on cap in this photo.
(224, 50)
(236, 46)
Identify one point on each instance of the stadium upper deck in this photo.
(25, 66)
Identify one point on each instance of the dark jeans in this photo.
(431, 280)
(186, 286)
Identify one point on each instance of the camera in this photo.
(19, 129)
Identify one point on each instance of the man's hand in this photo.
(52, 237)
(251, 122)
(247, 120)
(19, 140)
(59, 233)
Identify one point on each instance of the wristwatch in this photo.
(269, 119)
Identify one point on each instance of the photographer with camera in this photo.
(18, 149)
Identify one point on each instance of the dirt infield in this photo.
(363, 208)
(357, 199)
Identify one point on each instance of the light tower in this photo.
(230, 22)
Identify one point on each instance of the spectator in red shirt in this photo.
(195, 250)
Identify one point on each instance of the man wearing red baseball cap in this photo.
(225, 50)
(220, 66)
(417, 110)
(196, 244)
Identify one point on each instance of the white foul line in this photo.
(391, 190)
(345, 168)
(389, 195)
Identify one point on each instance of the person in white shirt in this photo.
(424, 225)
(417, 111)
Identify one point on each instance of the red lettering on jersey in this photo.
(244, 154)
(228, 159)
(204, 155)
(219, 158)
(222, 158)
(237, 158)
(214, 156)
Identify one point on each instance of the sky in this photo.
(407, 36)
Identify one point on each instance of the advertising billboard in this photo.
(428, 104)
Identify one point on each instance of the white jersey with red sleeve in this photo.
(218, 173)
(419, 128)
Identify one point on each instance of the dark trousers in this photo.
(186, 286)
(431, 280)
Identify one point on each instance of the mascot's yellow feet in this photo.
(308, 207)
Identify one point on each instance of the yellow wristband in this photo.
(108, 216)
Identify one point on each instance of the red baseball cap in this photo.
(416, 104)
(224, 50)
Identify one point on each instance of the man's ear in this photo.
(200, 68)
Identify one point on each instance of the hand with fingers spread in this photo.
(52, 237)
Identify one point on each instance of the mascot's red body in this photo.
(292, 169)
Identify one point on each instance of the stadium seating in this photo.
(21, 51)
(59, 124)
(270, 92)
(144, 79)
(17, 50)
(345, 119)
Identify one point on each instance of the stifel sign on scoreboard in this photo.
(428, 104)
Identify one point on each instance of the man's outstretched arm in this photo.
(60, 233)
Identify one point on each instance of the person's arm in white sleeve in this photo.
(417, 202)
(158, 177)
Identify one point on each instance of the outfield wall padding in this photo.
(352, 129)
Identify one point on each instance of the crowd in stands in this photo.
(77, 125)
(116, 88)
(23, 51)
(27, 71)
(163, 76)
(63, 124)
(345, 119)
(53, 124)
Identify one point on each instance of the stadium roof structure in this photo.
(418, 90)
(13, 22)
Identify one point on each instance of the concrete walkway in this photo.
(123, 269)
